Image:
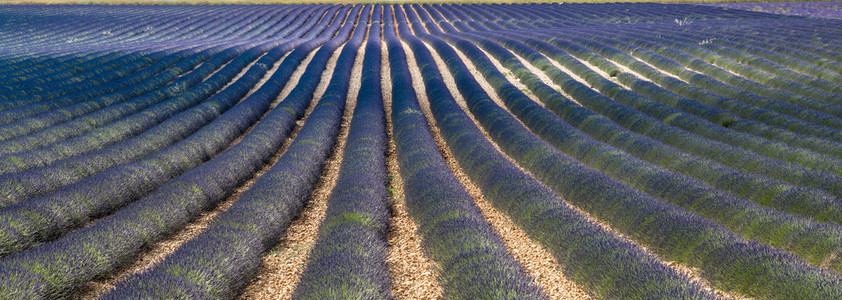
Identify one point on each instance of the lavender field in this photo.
(421, 151)
(816, 9)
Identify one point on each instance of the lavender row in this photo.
(263, 212)
(137, 28)
(40, 171)
(159, 136)
(682, 152)
(72, 68)
(54, 213)
(656, 27)
(755, 120)
(676, 12)
(804, 49)
(474, 261)
(585, 251)
(632, 119)
(670, 186)
(71, 80)
(645, 30)
(60, 124)
(28, 69)
(742, 103)
(122, 184)
(815, 242)
(671, 232)
(817, 107)
(821, 9)
(774, 74)
(89, 252)
(112, 113)
(112, 39)
(603, 52)
(20, 97)
(756, 28)
(348, 259)
(216, 26)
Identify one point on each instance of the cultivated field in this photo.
(826, 9)
(417, 151)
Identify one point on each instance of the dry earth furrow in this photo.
(662, 72)
(719, 65)
(185, 73)
(541, 75)
(283, 265)
(541, 265)
(693, 273)
(160, 250)
(509, 76)
(243, 72)
(414, 275)
(544, 76)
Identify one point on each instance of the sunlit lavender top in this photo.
(818, 9)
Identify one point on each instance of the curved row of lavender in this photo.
(705, 136)
(816, 9)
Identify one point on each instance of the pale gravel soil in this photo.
(596, 69)
(718, 66)
(693, 273)
(193, 69)
(827, 260)
(269, 75)
(633, 72)
(732, 72)
(506, 72)
(413, 274)
(626, 69)
(240, 74)
(544, 77)
(793, 91)
(282, 266)
(662, 72)
(542, 266)
(160, 250)
(294, 78)
(557, 65)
